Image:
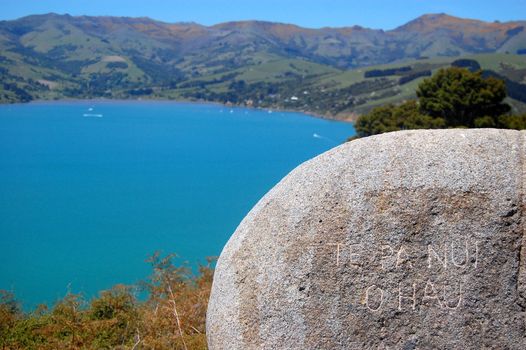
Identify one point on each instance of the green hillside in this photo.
(335, 72)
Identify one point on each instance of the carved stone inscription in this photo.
(431, 275)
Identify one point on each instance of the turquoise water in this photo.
(88, 190)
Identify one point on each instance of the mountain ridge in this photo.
(426, 16)
(343, 47)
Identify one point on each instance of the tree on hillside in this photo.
(463, 98)
(452, 98)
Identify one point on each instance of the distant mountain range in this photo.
(54, 56)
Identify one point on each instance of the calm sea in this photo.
(88, 190)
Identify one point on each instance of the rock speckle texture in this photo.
(407, 240)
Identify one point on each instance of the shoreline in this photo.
(346, 118)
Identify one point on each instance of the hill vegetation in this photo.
(335, 72)
(172, 316)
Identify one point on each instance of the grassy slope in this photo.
(292, 74)
(332, 79)
(71, 56)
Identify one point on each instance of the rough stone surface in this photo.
(407, 240)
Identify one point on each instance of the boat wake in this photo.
(318, 136)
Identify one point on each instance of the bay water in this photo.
(90, 189)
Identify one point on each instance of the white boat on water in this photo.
(92, 115)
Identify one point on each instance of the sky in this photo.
(378, 14)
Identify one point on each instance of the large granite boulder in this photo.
(407, 240)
